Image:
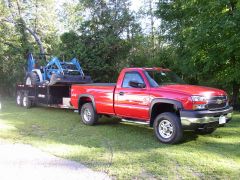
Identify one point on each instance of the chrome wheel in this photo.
(18, 99)
(24, 101)
(87, 115)
(165, 129)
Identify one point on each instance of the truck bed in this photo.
(103, 94)
(97, 84)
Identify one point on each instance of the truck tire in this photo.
(167, 128)
(88, 114)
(26, 102)
(19, 98)
(31, 78)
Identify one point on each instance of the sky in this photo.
(136, 4)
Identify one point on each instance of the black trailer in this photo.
(57, 95)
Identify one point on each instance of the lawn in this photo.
(123, 150)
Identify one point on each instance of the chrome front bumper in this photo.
(195, 119)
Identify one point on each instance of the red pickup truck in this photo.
(155, 96)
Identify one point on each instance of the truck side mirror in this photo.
(136, 84)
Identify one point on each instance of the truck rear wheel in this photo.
(167, 128)
(88, 114)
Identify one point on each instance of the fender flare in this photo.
(39, 74)
(88, 96)
(176, 103)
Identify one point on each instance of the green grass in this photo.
(124, 151)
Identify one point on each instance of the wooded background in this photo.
(198, 39)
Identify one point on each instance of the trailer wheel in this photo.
(26, 102)
(88, 114)
(167, 127)
(19, 98)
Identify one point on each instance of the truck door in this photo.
(132, 102)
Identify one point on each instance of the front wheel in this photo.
(88, 114)
(167, 128)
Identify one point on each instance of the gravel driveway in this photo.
(24, 162)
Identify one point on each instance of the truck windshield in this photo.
(157, 78)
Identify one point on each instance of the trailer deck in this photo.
(56, 96)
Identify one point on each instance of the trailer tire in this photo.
(26, 102)
(167, 128)
(19, 98)
(88, 114)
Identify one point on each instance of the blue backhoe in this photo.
(55, 72)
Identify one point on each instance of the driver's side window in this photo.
(131, 76)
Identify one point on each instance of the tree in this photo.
(206, 37)
(25, 26)
(104, 39)
(70, 15)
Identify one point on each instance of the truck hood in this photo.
(193, 90)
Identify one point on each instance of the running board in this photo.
(136, 122)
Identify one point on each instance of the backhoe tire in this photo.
(31, 78)
(88, 114)
(53, 79)
(167, 128)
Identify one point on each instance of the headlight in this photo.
(199, 102)
(198, 99)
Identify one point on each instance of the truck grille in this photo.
(217, 102)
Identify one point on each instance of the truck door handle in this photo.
(121, 93)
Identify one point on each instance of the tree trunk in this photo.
(235, 92)
(152, 27)
(33, 33)
(37, 39)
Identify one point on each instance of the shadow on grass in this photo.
(189, 136)
(108, 121)
(64, 127)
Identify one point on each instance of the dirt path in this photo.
(24, 162)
